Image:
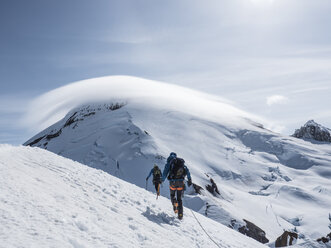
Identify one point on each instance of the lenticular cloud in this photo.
(54, 105)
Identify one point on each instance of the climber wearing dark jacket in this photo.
(157, 178)
(176, 171)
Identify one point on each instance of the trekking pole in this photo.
(146, 184)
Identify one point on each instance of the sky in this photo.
(271, 58)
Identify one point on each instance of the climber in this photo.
(157, 177)
(176, 171)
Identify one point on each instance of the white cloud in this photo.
(276, 99)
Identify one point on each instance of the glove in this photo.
(189, 182)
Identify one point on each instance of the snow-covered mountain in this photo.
(267, 183)
(313, 131)
(50, 201)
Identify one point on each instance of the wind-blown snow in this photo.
(50, 201)
(54, 105)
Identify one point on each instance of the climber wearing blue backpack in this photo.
(176, 170)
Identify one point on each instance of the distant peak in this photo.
(313, 131)
(311, 122)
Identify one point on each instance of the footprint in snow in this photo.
(141, 237)
(160, 218)
(133, 227)
(81, 226)
(114, 209)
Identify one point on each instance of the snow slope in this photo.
(277, 182)
(50, 201)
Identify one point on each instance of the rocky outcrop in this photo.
(286, 239)
(35, 141)
(313, 131)
(197, 188)
(212, 188)
(326, 239)
(253, 231)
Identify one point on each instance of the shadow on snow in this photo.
(160, 218)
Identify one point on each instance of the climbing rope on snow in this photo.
(202, 226)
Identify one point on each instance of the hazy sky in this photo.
(269, 57)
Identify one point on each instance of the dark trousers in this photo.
(156, 183)
(176, 193)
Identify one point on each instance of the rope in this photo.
(202, 226)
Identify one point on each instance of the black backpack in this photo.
(156, 174)
(177, 170)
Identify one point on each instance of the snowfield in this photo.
(50, 201)
(123, 125)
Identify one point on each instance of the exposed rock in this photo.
(197, 188)
(70, 120)
(213, 187)
(314, 131)
(54, 135)
(253, 231)
(48, 137)
(286, 239)
(325, 239)
(269, 178)
(79, 115)
(89, 114)
(115, 106)
(35, 141)
(276, 172)
(207, 207)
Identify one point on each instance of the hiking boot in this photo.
(180, 216)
